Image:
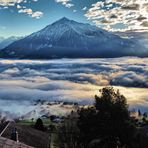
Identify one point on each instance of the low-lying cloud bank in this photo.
(76, 80)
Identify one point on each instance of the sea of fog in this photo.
(74, 80)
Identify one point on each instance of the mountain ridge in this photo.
(70, 39)
(7, 41)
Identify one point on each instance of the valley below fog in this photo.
(72, 80)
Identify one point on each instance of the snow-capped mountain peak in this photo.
(68, 27)
(63, 20)
(68, 38)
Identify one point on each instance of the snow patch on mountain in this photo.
(70, 39)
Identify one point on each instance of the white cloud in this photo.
(21, 8)
(132, 14)
(69, 5)
(66, 3)
(27, 11)
(36, 14)
(85, 8)
(10, 2)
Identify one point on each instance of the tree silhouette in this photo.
(107, 123)
(39, 124)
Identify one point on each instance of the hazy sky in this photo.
(22, 17)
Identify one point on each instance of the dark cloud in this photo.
(131, 7)
(145, 24)
(140, 18)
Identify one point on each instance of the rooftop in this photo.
(7, 143)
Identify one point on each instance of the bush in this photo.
(39, 124)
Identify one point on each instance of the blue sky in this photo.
(22, 17)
